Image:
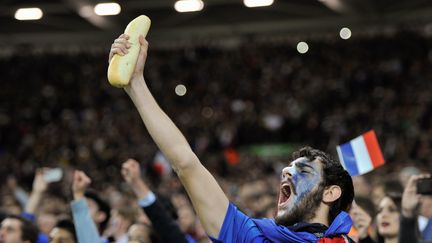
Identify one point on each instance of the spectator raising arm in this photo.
(410, 205)
(85, 227)
(131, 173)
(208, 199)
(20, 194)
(162, 222)
(39, 187)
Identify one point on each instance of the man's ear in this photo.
(331, 193)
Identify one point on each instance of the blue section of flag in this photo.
(349, 159)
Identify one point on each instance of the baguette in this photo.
(120, 68)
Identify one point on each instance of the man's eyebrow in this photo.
(304, 164)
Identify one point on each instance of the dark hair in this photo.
(67, 225)
(366, 204)
(393, 189)
(29, 231)
(103, 206)
(333, 174)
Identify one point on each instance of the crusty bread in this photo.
(121, 68)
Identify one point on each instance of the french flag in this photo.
(361, 155)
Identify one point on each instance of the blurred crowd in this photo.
(58, 110)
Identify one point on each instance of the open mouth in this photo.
(385, 224)
(284, 194)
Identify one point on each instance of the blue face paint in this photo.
(304, 176)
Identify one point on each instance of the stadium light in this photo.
(183, 6)
(28, 14)
(104, 9)
(180, 90)
(257, 3)
(345, 33)
(302, 47)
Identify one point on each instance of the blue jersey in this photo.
(238, 227)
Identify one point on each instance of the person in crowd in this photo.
(88, 210)
(162, 221)
(16, 229)
(360, 213)
(121, 219)
(315, 191)
(63, 232)
(425, 218)
(387, 217)
(412, 205)
(140, 233)
(164, 227)
(39, 188)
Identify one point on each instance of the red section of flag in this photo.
(373, 148)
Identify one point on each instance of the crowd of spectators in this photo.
(58, 110)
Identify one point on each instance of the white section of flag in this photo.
(361, 154)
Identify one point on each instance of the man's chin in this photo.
(284, 216)
(285, 220)
(301, 211)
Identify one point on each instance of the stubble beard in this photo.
(304, 211)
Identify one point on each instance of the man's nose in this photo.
(286, 172)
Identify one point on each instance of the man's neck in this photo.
(321, 216)
(317, 220)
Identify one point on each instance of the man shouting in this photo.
(315, 191)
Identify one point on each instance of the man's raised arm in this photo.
(207, 197)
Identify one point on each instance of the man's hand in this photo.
(410, 198)
(39, 184)
(121, 46)
(361, 220)
(79, 185)
(131, 173)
